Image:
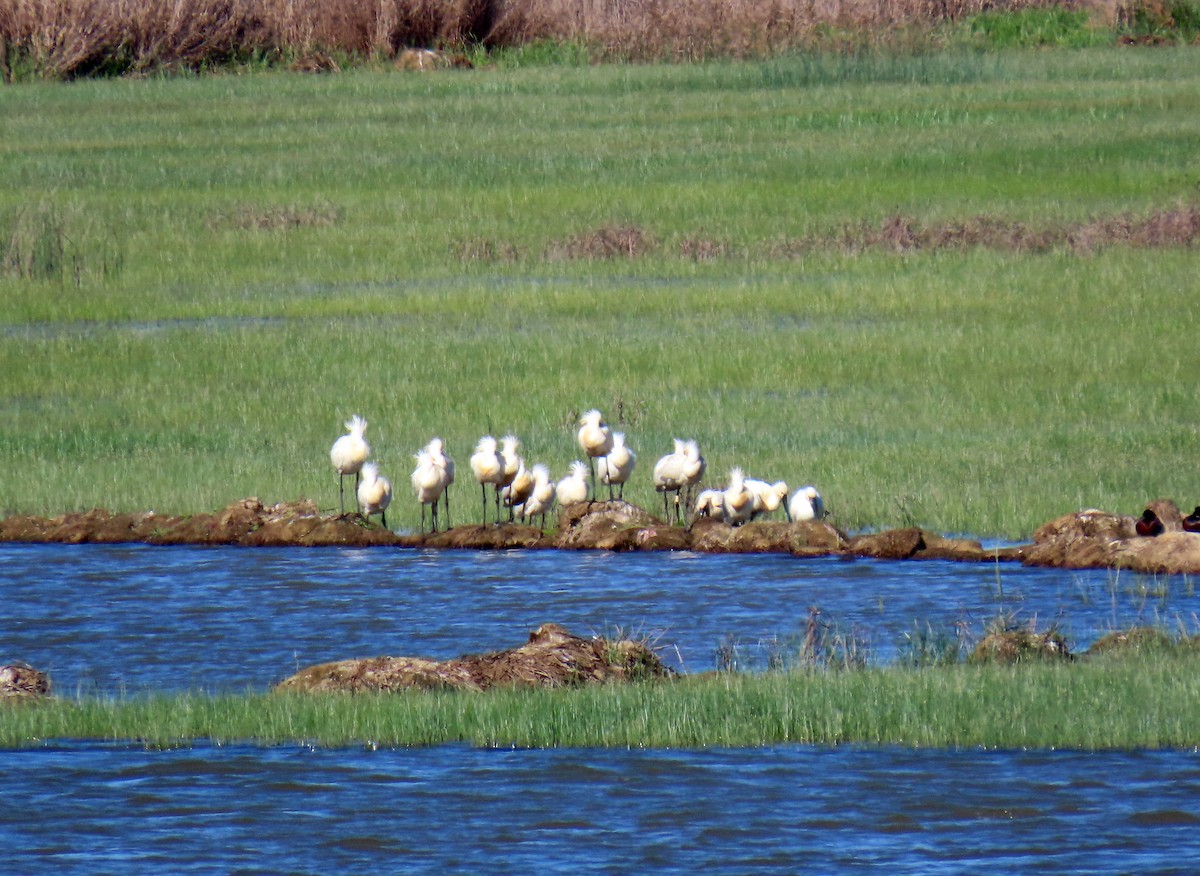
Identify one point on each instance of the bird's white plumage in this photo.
(595, 438)
(541, 500)
(807, 504)
(768, 498)
(737, 499)
(351, 450)
(617, 466)
(486, 462)
(374, 491)
(573, 488)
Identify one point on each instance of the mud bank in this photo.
(1084, 539)
(552, 657)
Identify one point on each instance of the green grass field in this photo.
(202, 278)
(1138, 702)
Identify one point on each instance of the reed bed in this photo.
(1128, 703)
(100, 37)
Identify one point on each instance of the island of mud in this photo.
(1078, 540)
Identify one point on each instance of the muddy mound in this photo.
(19, 682)
(811, 538)
(552, 657)
(491, 537)
(1095, 539)
(610, 525)
(919, 544)
(245, 522)
(1132, 641)
(1020, 646)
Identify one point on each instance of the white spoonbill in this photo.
(738, 500)
(573, 488)
(429, 483)
(348, 455)
(518, 492)
(436, 448)
(669, 477)
(488, 466)
(693, 470)
(510, 446)
(374, 493)
(542, 498)
(767, 497)
(711, 503)
(807, 504)
(595, 439)
(617, 466)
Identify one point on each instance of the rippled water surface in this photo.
(126, 619)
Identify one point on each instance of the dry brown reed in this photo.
(70, 38)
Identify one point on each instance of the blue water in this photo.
(126, 619)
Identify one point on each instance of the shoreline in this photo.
(1079, 540)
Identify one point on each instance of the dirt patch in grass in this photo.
(1178, 227)
(605, 242)
(277, 218)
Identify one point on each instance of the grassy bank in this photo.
(950, 290)
(1105, 704)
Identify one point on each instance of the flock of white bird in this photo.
(528, 492)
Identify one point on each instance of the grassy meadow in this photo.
(1131, 703)
(201, 278)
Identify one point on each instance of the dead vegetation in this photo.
(72, 38)
(19, 682)
(1175, 227)
(277, 218)
(553, 657)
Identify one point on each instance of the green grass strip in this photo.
(1138, 702)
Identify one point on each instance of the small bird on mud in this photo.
(510, 446)
(348, 455)
(595, 439)
(1149, 524)
(573, 488)
(374, 493)
(617, 466)
(1191, 523)
(488, 467)
(806, 504)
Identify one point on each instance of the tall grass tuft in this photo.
(45, 243)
